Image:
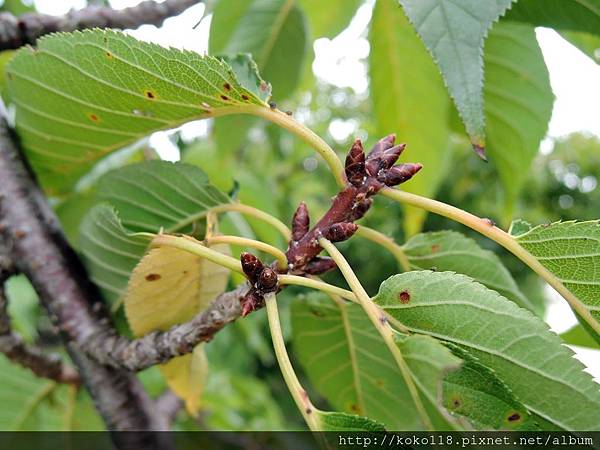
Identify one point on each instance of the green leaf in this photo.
(273, 31)
(30, 403)
(571, 251)
(519, 226)
(475, 392)
(5, 57)
(579, 336)
(328, 19)
(23, 307)
(71, 211)
(430, 362)
(402, 76)
(530, 359)
(586, 42)
(159, 194)
(141, 197)
(337, 421)
(575, 15)
(110, 252)
(97, 91)
(518, 103)
(454, 32)
(17, 7)
(346, 360)
(453, 251)
(240, 402)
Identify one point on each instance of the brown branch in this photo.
(168, 406)
(26, 29)
(160, 346)
(30, 232)
(29, 356)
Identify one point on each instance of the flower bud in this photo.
(300, 222)
(382, 145)
(340, 231)
(401, 173)
(391, 155)
(355, 164)
(251, 266)
(319, 265)
(373, 166)
(251, 302)
(361, 208)
(267, 281)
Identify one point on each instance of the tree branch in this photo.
(168, 405)
(30, 232)
(26, 29)
(31, 357)
(160, 346)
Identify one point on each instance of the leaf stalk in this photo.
(380, 322)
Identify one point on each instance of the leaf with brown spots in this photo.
(347, 361)
(453, 251)
(532, 361)
(476, 393)
(429, 363)
(97, 91)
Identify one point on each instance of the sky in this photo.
(574, 77)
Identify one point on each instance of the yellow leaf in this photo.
(186, 376)
(167, 287)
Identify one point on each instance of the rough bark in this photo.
(158, 347)
(26, 29)
(168, 405)
(30, 232)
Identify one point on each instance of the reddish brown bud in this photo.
(373, 166)
(382, 145)
(401, 173)
(355, 164)
(340, 231)
(300, 222)
(361, 208)
(319, 265)
(251, 302)
(391, 155)
(267, 281)
(251, 266)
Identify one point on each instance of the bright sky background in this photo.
(574, 77)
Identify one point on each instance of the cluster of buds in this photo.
(366, 175)
(263, 280)
(336, 232)
(379, 163)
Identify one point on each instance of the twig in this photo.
(29, 356)
(160, 346)
(30, 231)
(26, 29)
(168, 406)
